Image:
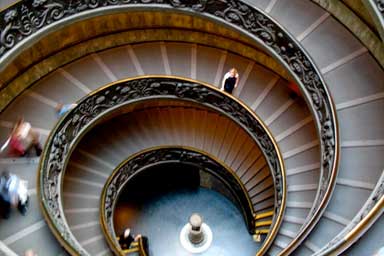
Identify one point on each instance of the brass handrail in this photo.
(376, 9)
(140, 161)
(368, 214)
(107, 100)
(235, 14)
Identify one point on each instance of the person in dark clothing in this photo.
(230, 81)
(5, 202)
(5, 208)
(126, 239)
(144, 241)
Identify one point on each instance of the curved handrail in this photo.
(368, 214)
(141, 246)
(27, 18)
(376, 9)
(353, 21)
(107, 100)
(142, 160)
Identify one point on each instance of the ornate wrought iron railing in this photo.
(368, 214)
(105, 102)
(148, 158)
(376, 9)
(22, 22)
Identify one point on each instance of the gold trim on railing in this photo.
(360, 224)
(104, 116)
(363, 223)
(51, 226)
(103, 221)
(331, 184)
(142, 249)
(328, 193)
(279, 217)
(308, 226)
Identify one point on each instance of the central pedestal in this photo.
(196, 236)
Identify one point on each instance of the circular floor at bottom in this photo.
(162, 217)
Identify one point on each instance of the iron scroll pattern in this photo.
(27, 17)
(380, 6)
(95, 106)
(133, 166)
(373, 200)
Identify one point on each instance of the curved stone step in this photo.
(90, 165)
(288, 119)
(354, 80)
(371, 242)
(20, 233)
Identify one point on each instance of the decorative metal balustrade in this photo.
(376, 9)
(25, 19)
(380, 6)
(368, 214)
(104, 102)
(141, 161)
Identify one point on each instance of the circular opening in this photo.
(159, 201)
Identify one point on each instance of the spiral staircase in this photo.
(351, 69)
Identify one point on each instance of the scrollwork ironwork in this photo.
(24, 19)
(95, 106)
(130, 168)
(373, 200)
(380, 6)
